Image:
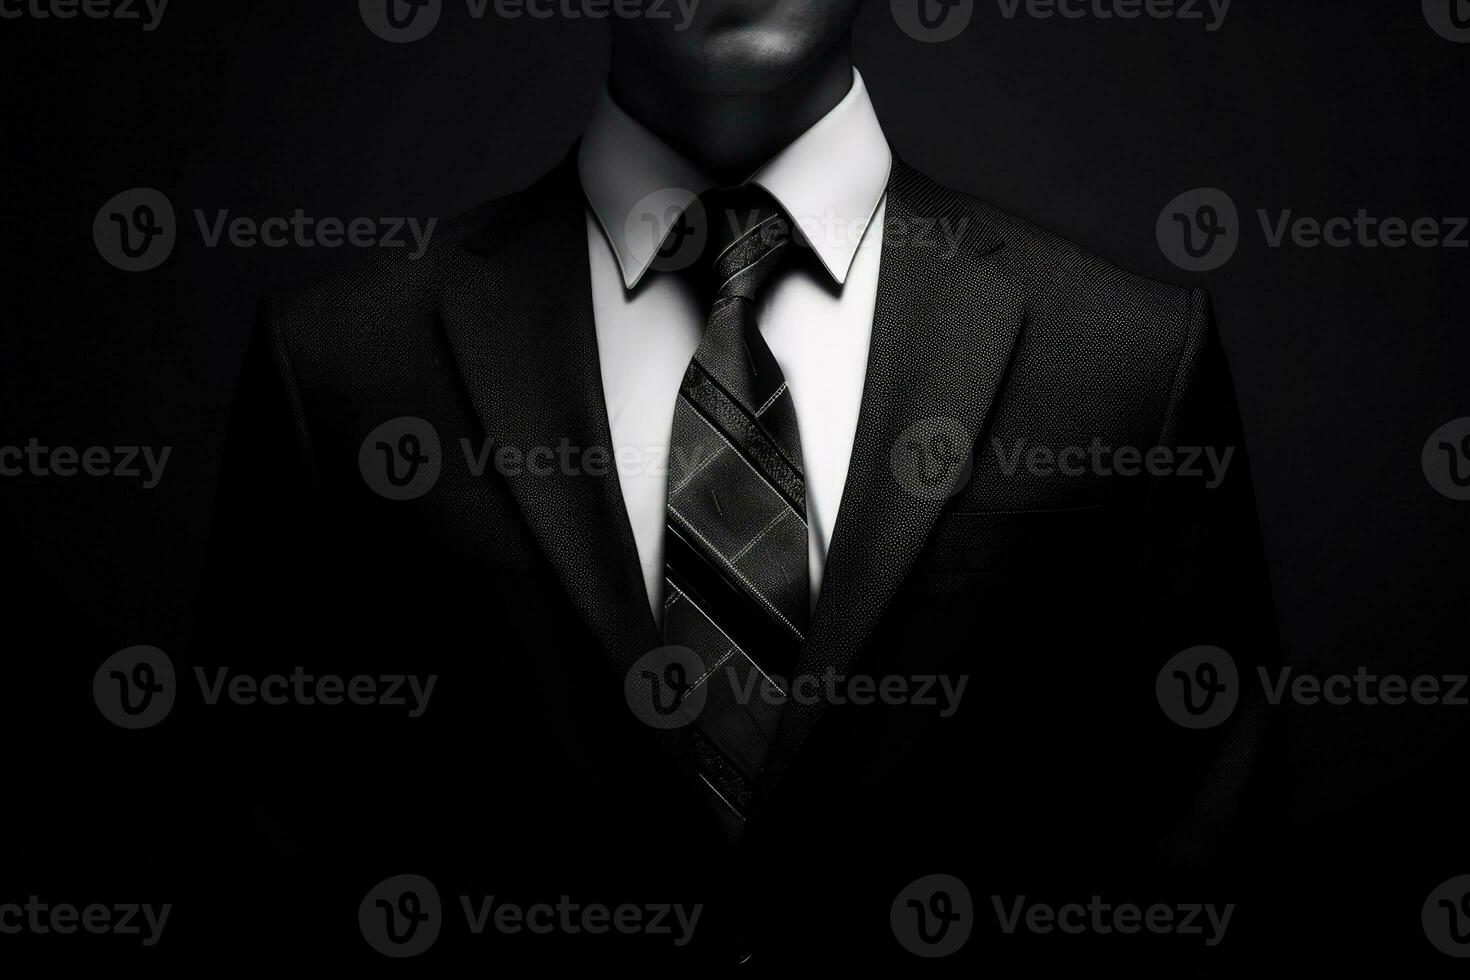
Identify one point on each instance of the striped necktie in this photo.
(736, 592)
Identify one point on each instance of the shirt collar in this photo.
(830, 181)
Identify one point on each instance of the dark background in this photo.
(1345, 359)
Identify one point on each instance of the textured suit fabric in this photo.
(1058, 598)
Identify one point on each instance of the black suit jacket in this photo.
(1058, 598)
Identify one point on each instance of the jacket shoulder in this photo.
(387, 282)
(1089, 324)
(1056, 274)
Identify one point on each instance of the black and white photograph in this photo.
(735, 488)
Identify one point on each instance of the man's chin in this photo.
(743, 63)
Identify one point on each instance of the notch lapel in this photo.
(518, 314)
(944, 331)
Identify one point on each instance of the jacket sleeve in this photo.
(263, 572)
(1201, 581)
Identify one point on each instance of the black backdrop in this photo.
(1346, 359)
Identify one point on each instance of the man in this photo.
(834, 476)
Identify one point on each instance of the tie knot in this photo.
(749, 239)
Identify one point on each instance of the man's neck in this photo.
(731, 136)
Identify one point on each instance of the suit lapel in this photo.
(944, 329)
(518, 315)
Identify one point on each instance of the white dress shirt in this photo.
(831, 181)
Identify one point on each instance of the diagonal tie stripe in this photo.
(736, 542)
(748, 434)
